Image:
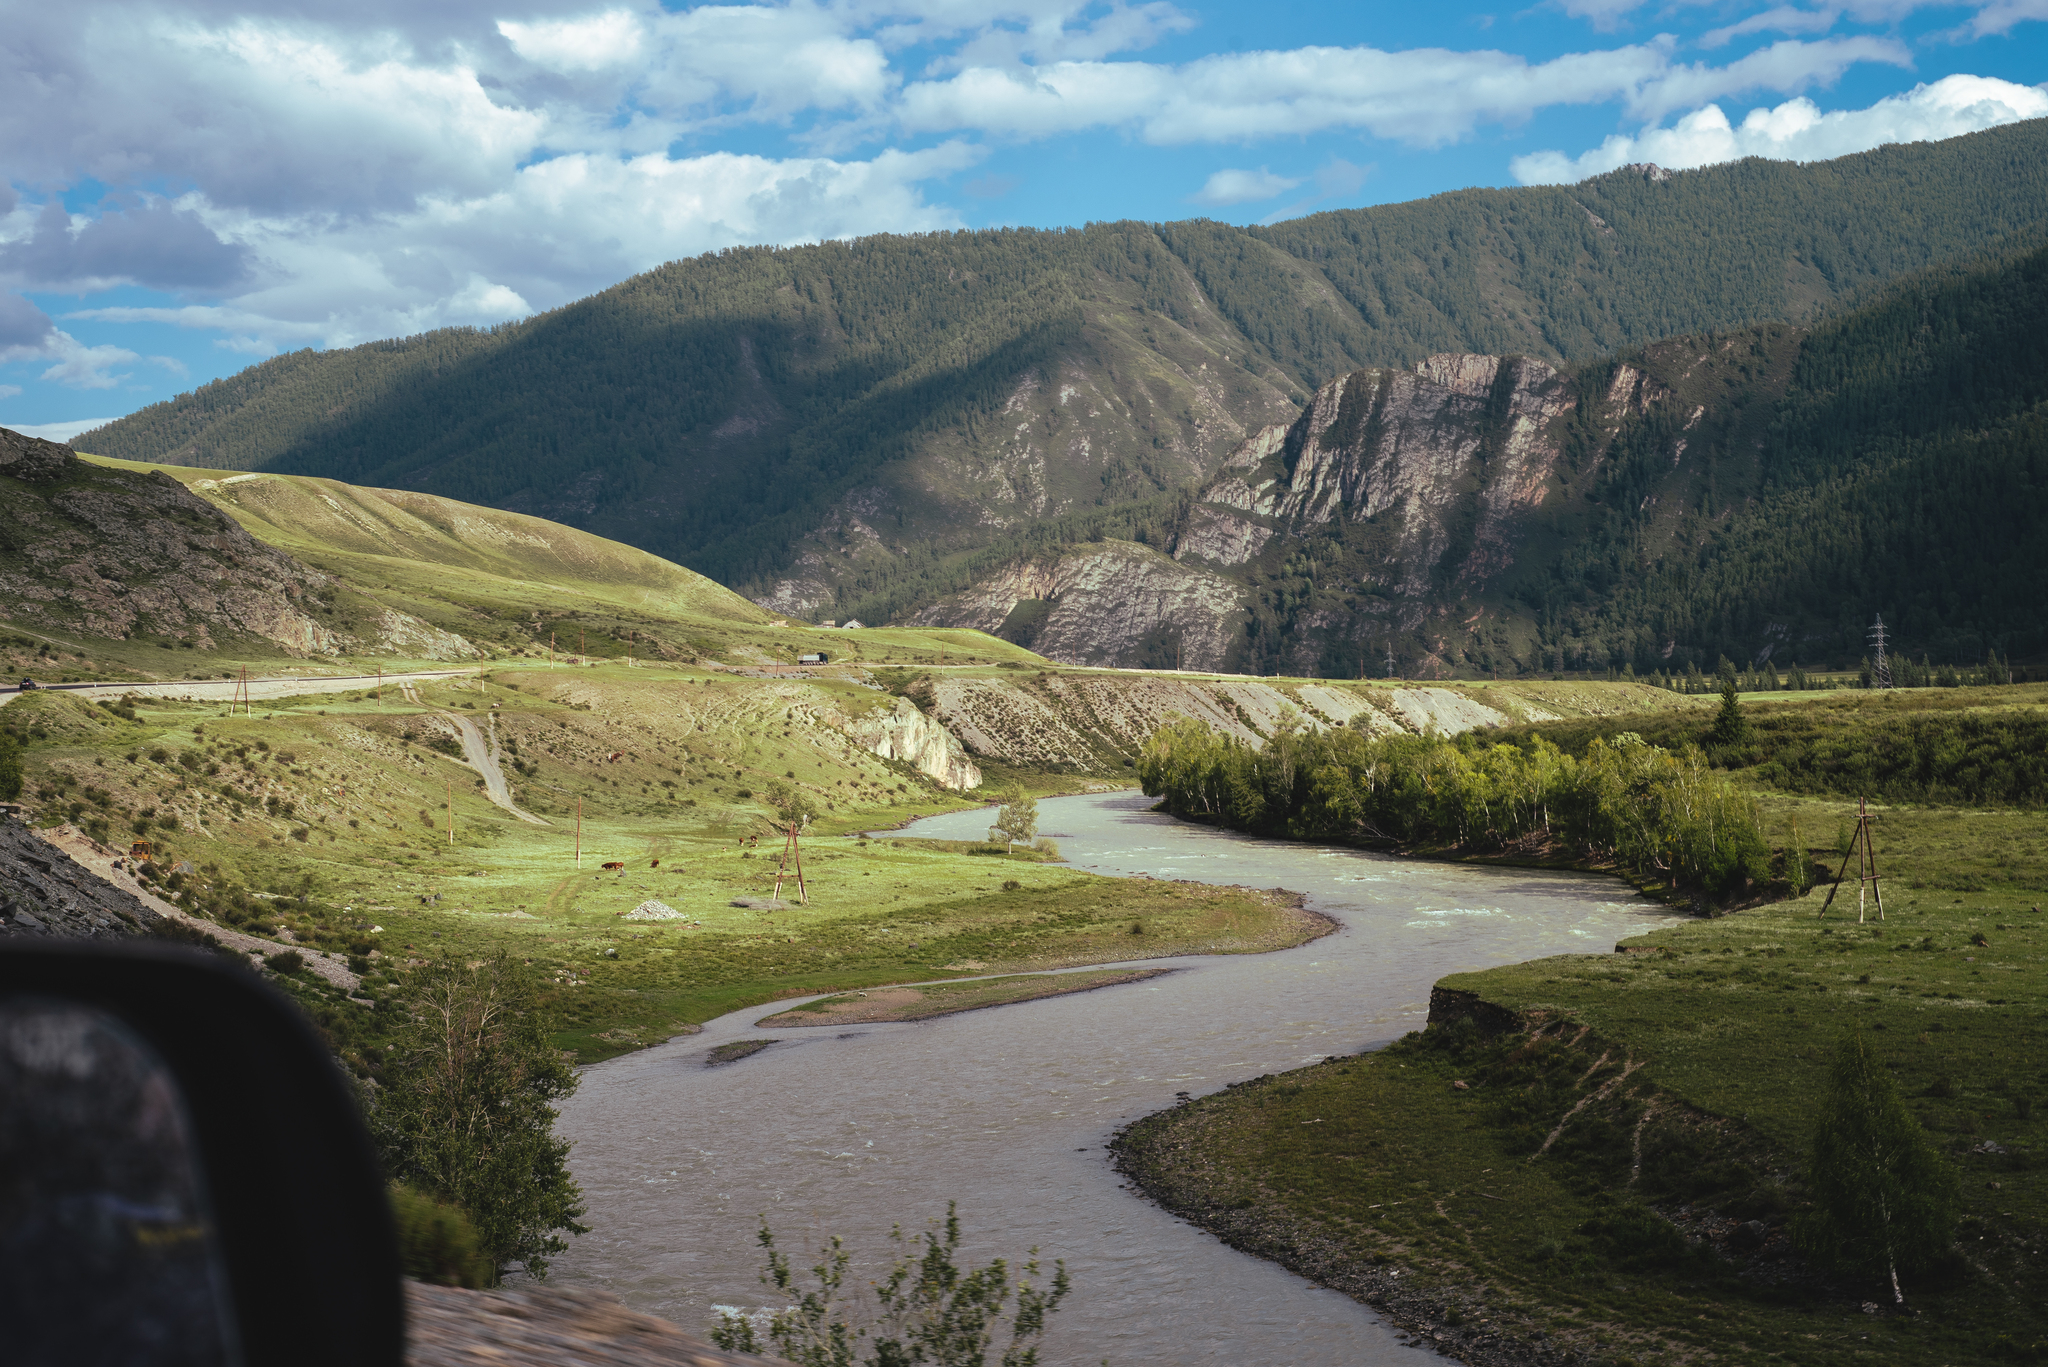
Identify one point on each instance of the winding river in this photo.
(1007, 1110)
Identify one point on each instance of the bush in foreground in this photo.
(927, 1309)
(436, 1242)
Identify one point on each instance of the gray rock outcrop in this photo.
(1107, 603)
(904, 733)
(44, 893)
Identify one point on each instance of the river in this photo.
(1007, 1110)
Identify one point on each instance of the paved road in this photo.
(280, 686)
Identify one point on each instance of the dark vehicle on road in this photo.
(29, 685)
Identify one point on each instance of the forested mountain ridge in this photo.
(860, 428)
(1757, 494)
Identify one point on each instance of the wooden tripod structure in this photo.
(790, 848)
(1866, 878)
(241, 696)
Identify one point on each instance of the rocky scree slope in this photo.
(1096, 723)
(124, 555)
(43, 893)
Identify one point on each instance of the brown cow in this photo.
(615, 864)
(654, 864)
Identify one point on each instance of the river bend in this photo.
(1007, 1110)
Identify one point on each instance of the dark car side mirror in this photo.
(185, 1180)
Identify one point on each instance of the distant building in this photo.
(816, 657)
(828, 624)
(853, 624)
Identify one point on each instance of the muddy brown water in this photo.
(1007, 1110)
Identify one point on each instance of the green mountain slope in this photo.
(836, 429)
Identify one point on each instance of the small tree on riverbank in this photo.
(468, 1113)
(1884, 1199)
(1017, 822)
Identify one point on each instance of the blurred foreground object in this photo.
(184, 1177)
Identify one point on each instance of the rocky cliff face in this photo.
(904, 733)
(1454, 453)
(1390, 517)
(119, 554)
(1104, 603)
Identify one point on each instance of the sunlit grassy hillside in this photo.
(523, 585)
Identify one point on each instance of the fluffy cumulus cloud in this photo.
(328, 172)
(1797, 130)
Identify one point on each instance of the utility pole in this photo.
(790, 847)
(451, 811)
(1880, 667)
(241, 696)
(380, 683)
(582, 646)
(551, 647)
(579, 832)
(1862, 850)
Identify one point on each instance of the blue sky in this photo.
(193, 185)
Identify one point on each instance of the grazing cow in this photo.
(654, 864)
(617, 864)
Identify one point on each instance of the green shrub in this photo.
(436, 1242)
(286, 961)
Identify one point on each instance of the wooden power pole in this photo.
(1861, 850)
(451, 811)
(792, 847)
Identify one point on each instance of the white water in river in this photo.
(1006, 1110)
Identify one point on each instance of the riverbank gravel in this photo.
(548, 1326)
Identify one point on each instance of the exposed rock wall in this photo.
(1415, 443)
(904, 733)
(1110, 602)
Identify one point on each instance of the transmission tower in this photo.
(1390, 657)
(1880, 667)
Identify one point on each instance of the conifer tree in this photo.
(1884, 1198)
(1730, 726)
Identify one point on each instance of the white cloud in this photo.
(1786, 66)
(59, 431)
(8, 391)
(1799, 131)
(1783, 19)
(598, 40)
(560, 229)
(1232, 186)
(2003, 17)
(85, 367)
(1427, 97)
